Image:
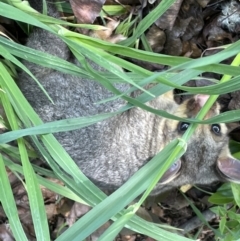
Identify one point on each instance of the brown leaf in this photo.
(86, 11)
(77, 211)
(167, 20)
(190, 49)
(156, 38)
(173, 46)
(108, 33)
(203, 3)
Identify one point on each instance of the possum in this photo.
(111, 151)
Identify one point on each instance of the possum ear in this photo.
(235, 133)
(229, 168)
(171, 173)
(201, 99)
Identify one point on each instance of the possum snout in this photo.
(228, 167)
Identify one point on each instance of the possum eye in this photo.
(182, 126)
(216, 129)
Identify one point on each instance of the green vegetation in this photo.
(23, 121)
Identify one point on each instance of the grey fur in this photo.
(110, 152)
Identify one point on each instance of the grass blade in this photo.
(9, 205)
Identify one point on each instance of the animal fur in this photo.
(110, 152)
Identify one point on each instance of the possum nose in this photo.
(171, 173)
(229, 168)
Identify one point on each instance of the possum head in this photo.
(207, 158)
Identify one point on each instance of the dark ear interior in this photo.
(235, 134)
(178, 97)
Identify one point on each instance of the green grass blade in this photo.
(9, 205)
(34, 194)
(148, 21)
(40, 58)
(119, 199)
(36, 202)
(11, 12)
(61, 190)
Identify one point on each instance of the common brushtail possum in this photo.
(111, 151)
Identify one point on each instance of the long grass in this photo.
(78, 187)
